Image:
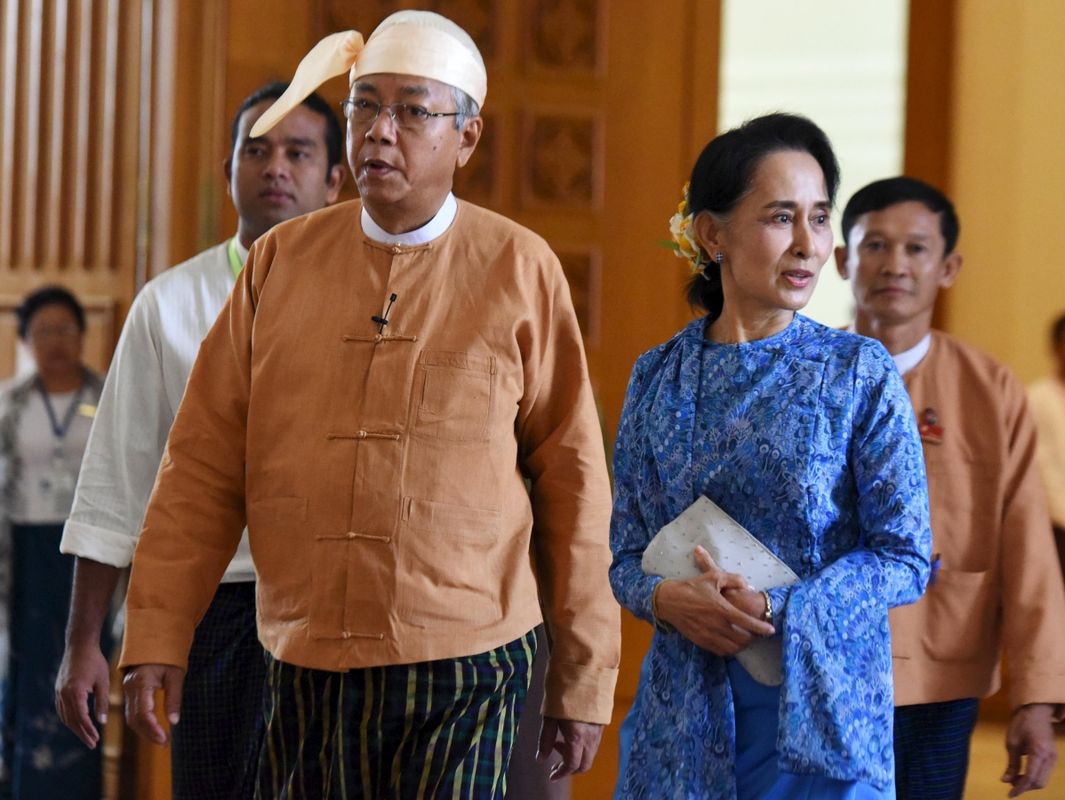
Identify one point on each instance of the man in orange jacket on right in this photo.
(995, 587)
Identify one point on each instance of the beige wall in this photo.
(1008, 177)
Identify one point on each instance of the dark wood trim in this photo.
(929, 102)
(930, 91)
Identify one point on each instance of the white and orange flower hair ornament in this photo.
(683, 242)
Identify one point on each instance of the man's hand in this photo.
(83, 671)
(700, 611)
(576, 742)
(1030, 736)
(140, 686)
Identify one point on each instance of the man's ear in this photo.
(468, 138)
(841, 261)
(951, 268)
(708, 233)
(333, 181)
(227, 170)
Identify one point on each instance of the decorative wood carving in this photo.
(562, 159)
(566, 36)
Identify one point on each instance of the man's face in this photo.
(403, 175)
(281, 174)
(896, 263)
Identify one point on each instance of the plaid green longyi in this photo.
(437, 729)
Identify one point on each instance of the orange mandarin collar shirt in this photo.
(382, 470)
(998, 585)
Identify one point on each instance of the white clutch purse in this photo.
(733, 549)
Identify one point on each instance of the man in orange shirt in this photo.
(995, 585)
(380, 384)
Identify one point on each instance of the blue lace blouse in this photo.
(807, 438)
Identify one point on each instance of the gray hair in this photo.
(465, 105)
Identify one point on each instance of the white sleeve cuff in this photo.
(98, 544)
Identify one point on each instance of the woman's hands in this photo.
(717, 610)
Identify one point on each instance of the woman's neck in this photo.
(733, 328)
(64, 381)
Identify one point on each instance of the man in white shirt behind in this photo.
(294, 169)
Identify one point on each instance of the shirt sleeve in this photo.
(125, 446)
(1033, 596)
(196, 513)
(561, 447)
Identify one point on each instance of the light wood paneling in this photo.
(9, 16)
(73, 141)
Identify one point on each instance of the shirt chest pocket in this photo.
(453, 394)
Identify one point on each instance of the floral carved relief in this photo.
(562, 163)
(565, 35)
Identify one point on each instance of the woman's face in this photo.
(55, 340)
(777, 238)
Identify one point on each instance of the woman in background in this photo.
(44, 424)
(805, 436)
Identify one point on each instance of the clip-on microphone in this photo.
(383, 320)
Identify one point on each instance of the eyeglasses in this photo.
(364, 113)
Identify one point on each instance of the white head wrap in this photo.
(418, 43)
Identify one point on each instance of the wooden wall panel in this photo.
(74, 134)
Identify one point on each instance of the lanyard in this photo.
(235, 263)
(60, 430)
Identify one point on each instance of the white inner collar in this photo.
(908, 359)
(426, 233)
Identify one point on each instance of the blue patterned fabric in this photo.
(807, 438)
(758, 775)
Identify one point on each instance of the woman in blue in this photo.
(804, 435)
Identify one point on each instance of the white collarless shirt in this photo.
(440, 222)
(158, 346)
(908, 359)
